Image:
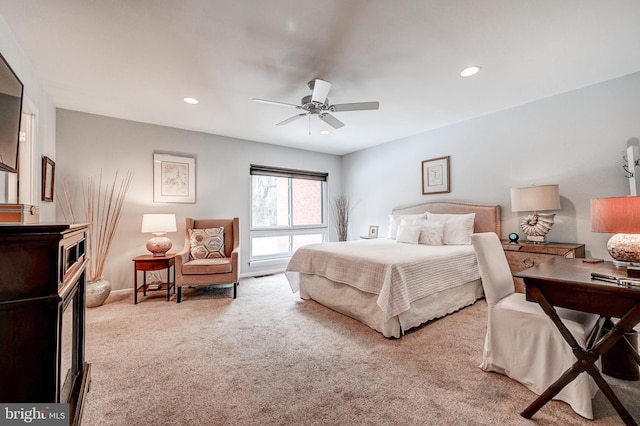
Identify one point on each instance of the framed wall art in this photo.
(435, 176)
(174, 179)
(48, 178)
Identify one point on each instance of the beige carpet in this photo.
(269, 358)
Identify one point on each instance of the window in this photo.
(288, 210)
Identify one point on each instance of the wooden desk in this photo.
(567, 283)
(148, 262)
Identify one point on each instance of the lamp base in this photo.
(624, 249)
(159, 245)
(536, 226)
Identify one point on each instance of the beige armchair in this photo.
(209, 256)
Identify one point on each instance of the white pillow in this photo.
(457, 227)
(408, 234)
(431, 234)
(394, 222)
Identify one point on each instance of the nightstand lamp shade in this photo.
(535, 199)
(620, 216)
(159, 225)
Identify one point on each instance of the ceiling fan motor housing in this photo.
(314, 107)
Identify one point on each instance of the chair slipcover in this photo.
(521, 341)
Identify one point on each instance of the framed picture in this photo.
(174, 179)
(435, 176)
(48, 177)
(373, 231)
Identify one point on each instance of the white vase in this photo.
(97, 292)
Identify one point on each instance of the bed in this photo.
(390, 285)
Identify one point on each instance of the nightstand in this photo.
(148, 262)
(522, 256)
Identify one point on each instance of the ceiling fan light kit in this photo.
(318, 104)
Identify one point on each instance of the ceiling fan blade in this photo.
(290, 119)
(264, 101)
(331, 120)
(320, 91)
(357, 106)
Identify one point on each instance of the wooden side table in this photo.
(524, 255)
(149, 262)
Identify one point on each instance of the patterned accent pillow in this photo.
(207, 243)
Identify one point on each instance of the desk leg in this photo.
(586, 358)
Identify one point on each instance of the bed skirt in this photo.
(363, 306)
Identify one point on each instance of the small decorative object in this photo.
(513, 238)
(435, 176)
(536, 198)
(341, 208)
(159, 225)
(373, 231)
(621, 216)
(174, 179)
(48, 177)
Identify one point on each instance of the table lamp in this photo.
(536, 198)
(159, 225)
(621, 216)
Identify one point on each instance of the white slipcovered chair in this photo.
(521, 341)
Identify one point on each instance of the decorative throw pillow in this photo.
(457, 227)
(395, 219)
(431, 234)
(408, 234)
(207, 243)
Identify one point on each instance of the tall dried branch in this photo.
(341, 208)
(103, 211)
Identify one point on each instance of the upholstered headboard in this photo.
(487, 215)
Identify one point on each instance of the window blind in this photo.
(256, 169)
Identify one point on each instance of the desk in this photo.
(148, 262)
(567, 283)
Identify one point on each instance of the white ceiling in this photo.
(138, 59)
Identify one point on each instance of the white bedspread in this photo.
(398, 273)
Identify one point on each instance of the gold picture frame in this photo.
(435, 176)
(48, 178)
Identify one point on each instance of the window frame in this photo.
(289, 230)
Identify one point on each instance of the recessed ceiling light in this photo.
(325, 132)
(469, 71)
(191, 101)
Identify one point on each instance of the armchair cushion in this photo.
(207, 243)
(207, 266)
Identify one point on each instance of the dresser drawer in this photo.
(524, 256)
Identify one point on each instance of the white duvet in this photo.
(398, 273)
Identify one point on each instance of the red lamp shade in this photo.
(621, 216)
(618, 215)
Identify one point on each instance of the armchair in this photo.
(209, 256)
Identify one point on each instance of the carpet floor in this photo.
(270, 358)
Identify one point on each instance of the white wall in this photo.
(38, 101)
(576, 140)
(89, 143)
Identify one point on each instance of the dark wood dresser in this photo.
(42, 315)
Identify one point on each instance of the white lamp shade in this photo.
(535, 198)
(159, 223)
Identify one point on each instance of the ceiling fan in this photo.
(318, 104)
